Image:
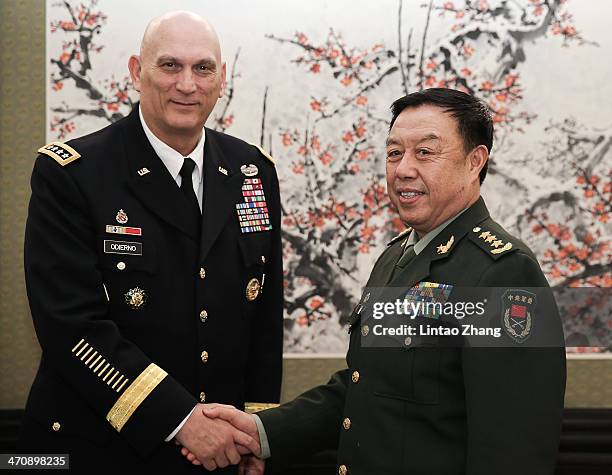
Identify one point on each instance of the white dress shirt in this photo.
(173, 160)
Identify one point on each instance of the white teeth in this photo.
(410, 194)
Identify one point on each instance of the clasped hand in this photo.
(217, 435)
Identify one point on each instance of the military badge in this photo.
(60, 152)
(121, 217)
(136, 298)
(112, 229)
(428, 298)
(249, 170)
(518, 310)
(252, 289)
(143, 171)
(253, 212)
(444, 248)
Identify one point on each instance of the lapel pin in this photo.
(223, 170)
(444, 248)
(143, 171)
(249, 170)
(121, 217)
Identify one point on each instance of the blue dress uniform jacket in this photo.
(137, 317)
(437, 410)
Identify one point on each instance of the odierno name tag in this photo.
(122, 247)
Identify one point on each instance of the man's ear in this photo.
(135, 68)
(223, 80)
(477, 159)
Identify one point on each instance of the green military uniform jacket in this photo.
(141, 311)
(437, 410)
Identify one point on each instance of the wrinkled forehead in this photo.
(423, 123)
(190, 43)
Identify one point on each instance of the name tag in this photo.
(122, 247)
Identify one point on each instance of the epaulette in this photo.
(60, 152)
(264, 153)
(400, 235)
(494, 246)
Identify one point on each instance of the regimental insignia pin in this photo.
(518, 312)
(252, 289)
(223, 170)
(121, 217)
(136, 298)
(249, 170)
(143, 171)
(444, 248)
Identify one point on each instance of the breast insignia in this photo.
(60, 152)
(404, 233)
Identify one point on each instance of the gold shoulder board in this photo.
(60, 152)
(264, 153)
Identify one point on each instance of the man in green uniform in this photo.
(435, 410)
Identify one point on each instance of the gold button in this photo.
(203, 315)
(202, 273)
(346, 423)
(56, 426)
(204, 356)
(365, 330)
(121, 265)
(342, 470)
(408, 341)
(202, 397)
(355, 376)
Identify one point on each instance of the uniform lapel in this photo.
(221, 192)
(441, 246)
(150, 180)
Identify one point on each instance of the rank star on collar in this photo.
(444, 248)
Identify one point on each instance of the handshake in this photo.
(218, 435)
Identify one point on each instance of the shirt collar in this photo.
(172, 159)
(420, 244)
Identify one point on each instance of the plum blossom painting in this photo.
(312, 83)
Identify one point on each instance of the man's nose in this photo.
(406, 168)
(186, 83)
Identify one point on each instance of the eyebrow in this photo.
(172, 59)
(393, 141)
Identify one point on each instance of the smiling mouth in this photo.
(184, 103)
(410, 194)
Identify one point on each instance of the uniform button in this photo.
(203, 316)
(56, 426)
(342, 470)
(365, 330)
(355, 376)
(121, 265)
(408, 341)
(202, 273)
(204, 356)
(346, 423)
(263, 259)
(202, 397)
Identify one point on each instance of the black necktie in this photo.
(187, 189)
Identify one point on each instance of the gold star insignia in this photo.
(491, 238)
(444, 248)
(484, 234)
(497, 243)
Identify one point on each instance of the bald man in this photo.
(154, 275)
